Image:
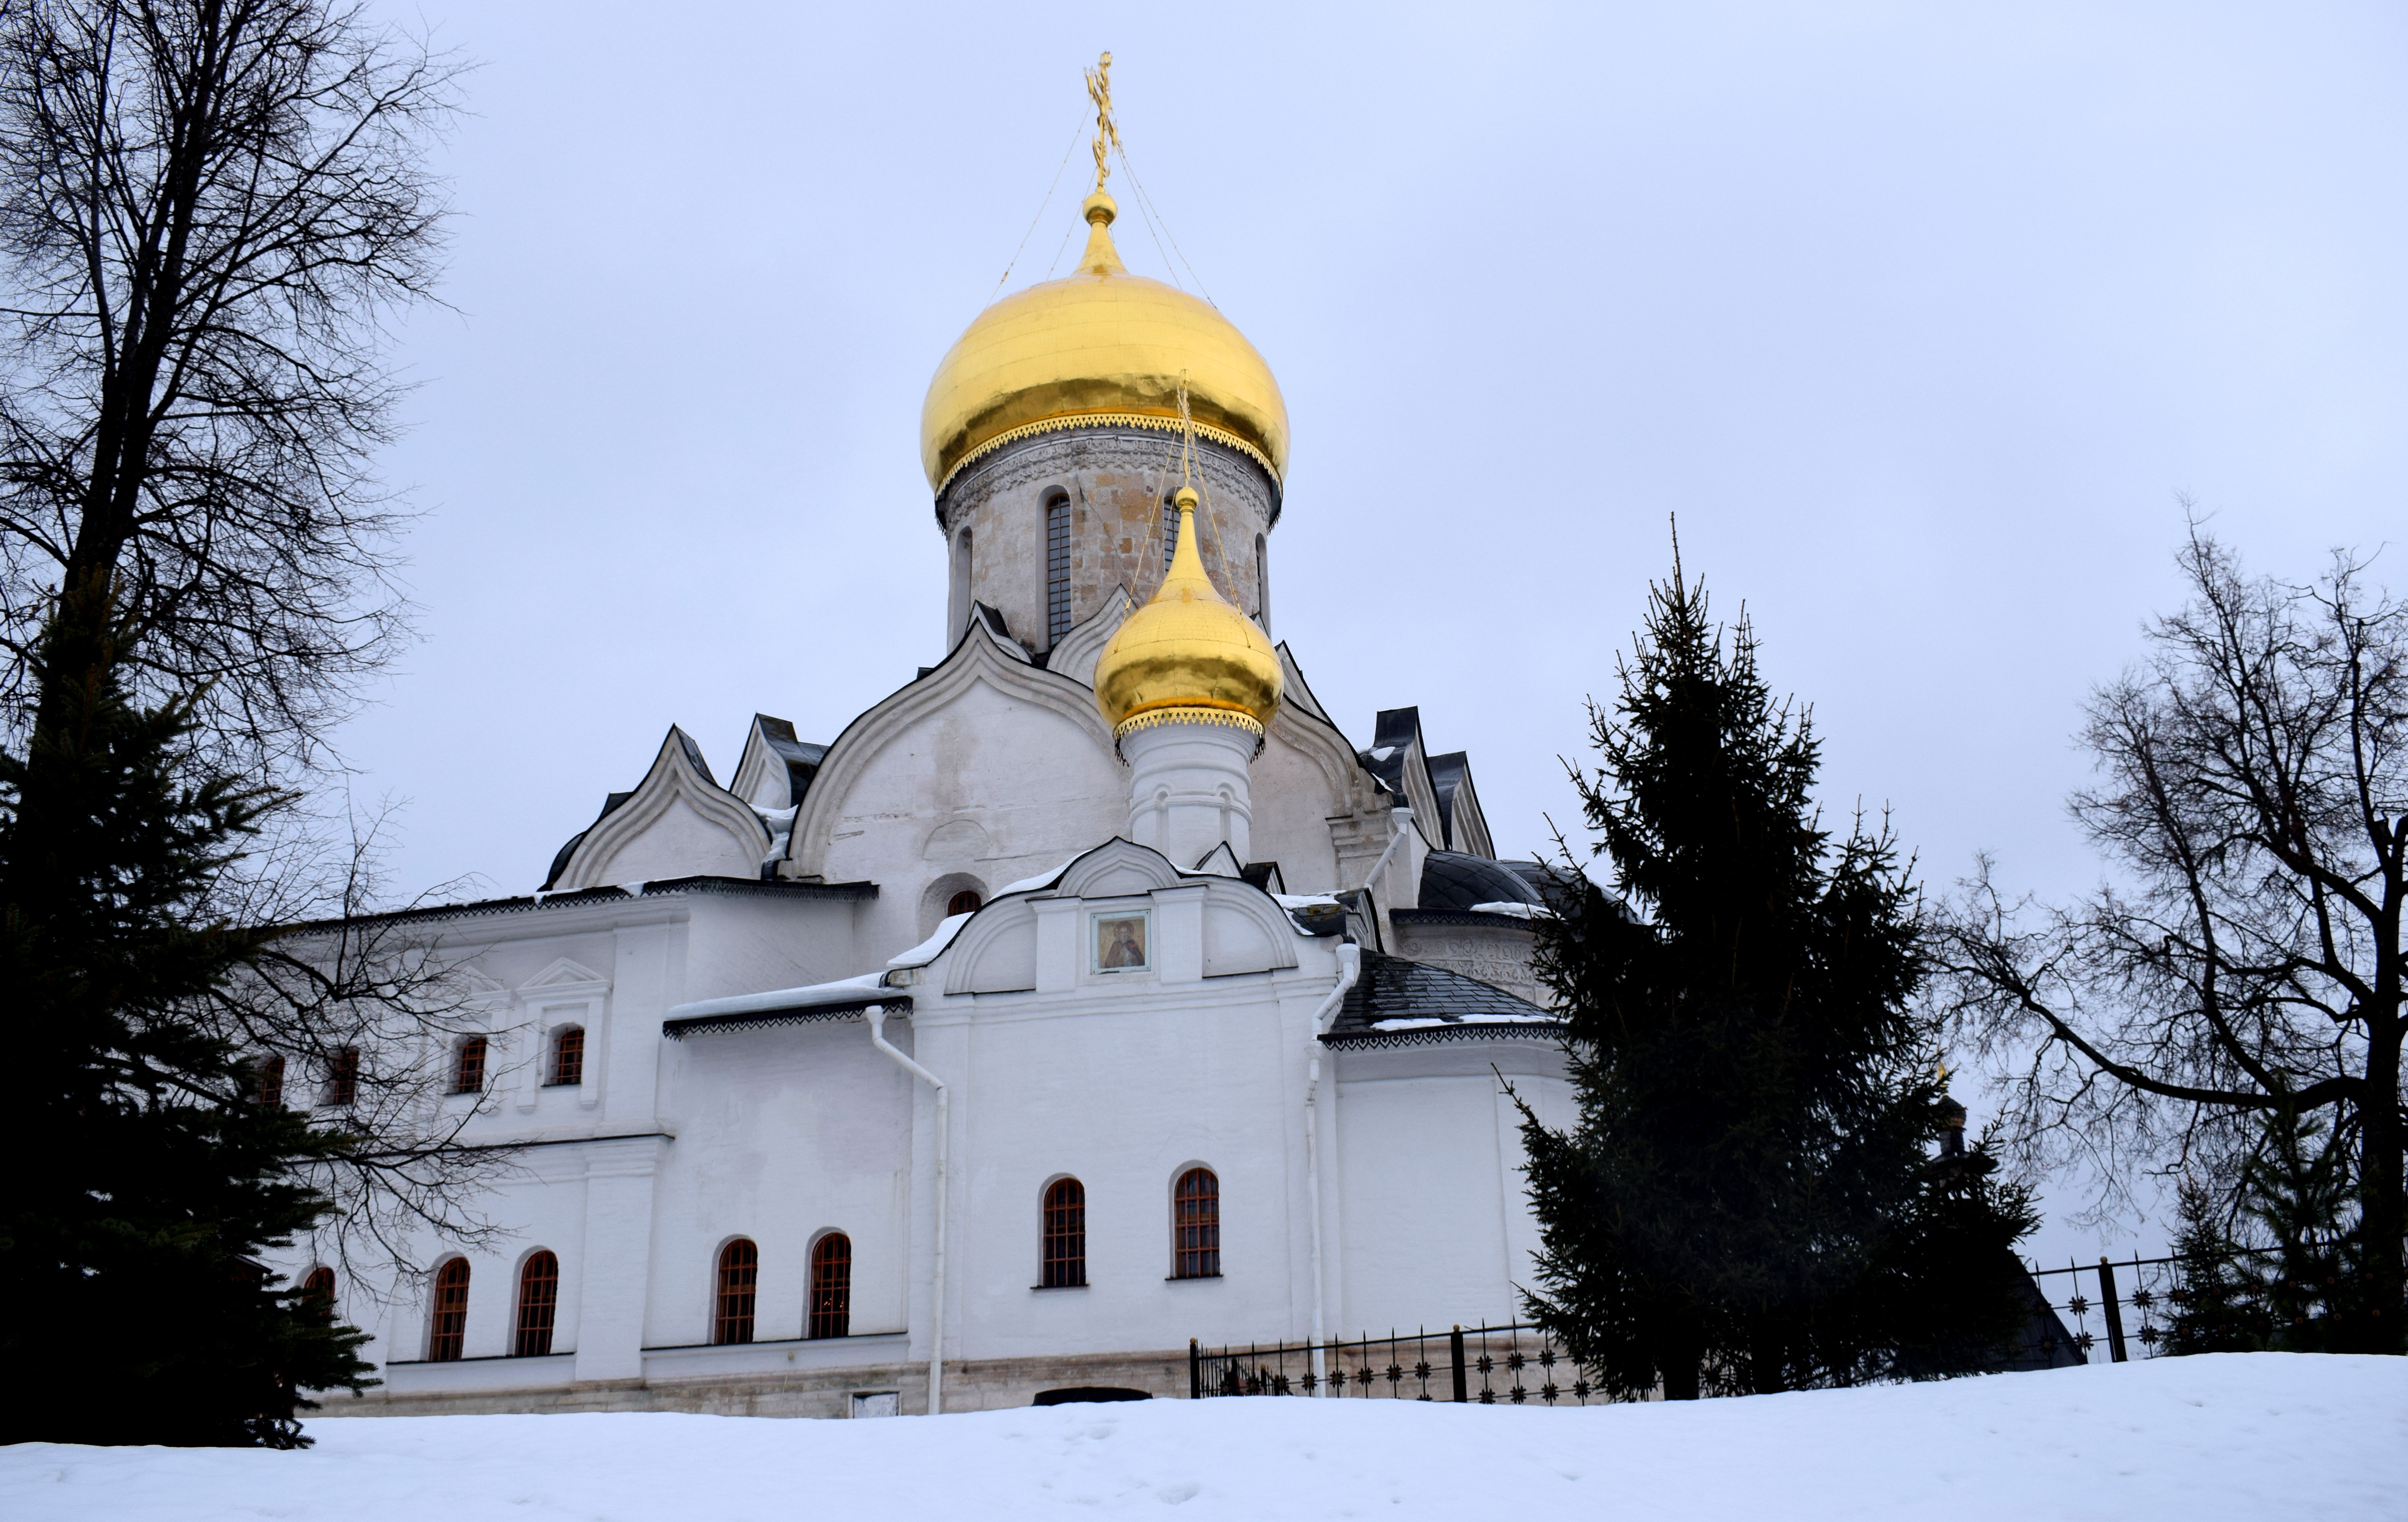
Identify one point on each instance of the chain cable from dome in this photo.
(1187, 433)
(1154, 215)
(1077, 126)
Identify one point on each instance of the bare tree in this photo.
(2248, 959)
(209, 211)
(366, 1010)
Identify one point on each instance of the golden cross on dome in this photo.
(1107, 132)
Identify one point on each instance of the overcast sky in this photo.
(1920, 319)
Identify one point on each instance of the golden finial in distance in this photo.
(1108, 135)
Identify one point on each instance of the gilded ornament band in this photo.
(1156, 421)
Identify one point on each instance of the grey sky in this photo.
(1919, 317)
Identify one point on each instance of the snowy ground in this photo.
(2185, 1440)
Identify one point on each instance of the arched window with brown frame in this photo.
(448, 1328)
(538, 1303)
(268, 1074)
(740, 1273)
(318, 1295)
(469, 1070)
(831, 1313)
(1196, 1226)
(964, 902)
(343, 1076)
(568, 1068)
(1066, 1235)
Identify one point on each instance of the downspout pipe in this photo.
(1403, 820)
(876, 1015)
(1350, 967)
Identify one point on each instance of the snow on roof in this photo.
(843, 991)
(1519, 910)
(929, 950)
(1042, 879)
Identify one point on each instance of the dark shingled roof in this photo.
(1451, 880)
(801, 757)
(1393, 988)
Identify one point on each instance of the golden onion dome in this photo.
(1188, 656)
(1102, 346)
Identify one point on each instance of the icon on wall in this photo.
(1121, 943)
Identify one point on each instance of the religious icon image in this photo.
(1120, 942)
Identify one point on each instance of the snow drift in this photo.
(2185, 1440)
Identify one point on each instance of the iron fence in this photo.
(1509, 1365)
(2130, 1301)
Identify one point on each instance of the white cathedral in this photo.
(1090, 993)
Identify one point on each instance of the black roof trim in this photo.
(713, 1025)
(1457, 916)
(663, 888)
(1549, 1032)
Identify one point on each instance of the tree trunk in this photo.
(2379, 1199)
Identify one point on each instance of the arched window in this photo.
(539, 1299)
(831, 1286)
(1066, 1234)
(960, 609)
(1170, 533)
(468, 1074)
(964, 902)
(1196, 1226)
(269, 1072)
(1262, 583)
(343, 1076)
(318, 1294)
(567, 1058)
(1057, 567)
(449, 1327)
(740, 1270)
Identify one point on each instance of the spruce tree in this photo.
(1746, 1202)
(2216, 1307)
(148, 1178)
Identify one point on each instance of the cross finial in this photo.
(1107, 132)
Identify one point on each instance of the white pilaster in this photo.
(1188, 789)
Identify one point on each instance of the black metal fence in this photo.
(2121, 1309)
(1509, 1365)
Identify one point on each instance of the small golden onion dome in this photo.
(1103, 345)
(1187, 657)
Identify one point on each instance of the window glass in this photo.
(469, 1075)
(831, 1311)
(1066, 1234)
(539, 1300)
(1057, 569)
(450, 1325)
(567, 1058)
(1196, 1226)
(739, 1267)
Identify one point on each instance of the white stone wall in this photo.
(1121, 1079)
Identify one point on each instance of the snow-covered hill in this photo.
(2183, 1439)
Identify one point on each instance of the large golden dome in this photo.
(1188, 656)
(1102, 346)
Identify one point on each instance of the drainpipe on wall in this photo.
(1403, 820)
(876, 1015)
(1350, 965)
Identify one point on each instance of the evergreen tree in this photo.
(2217, 1309)
(2296, 1189)
(149, 1177)
(1747, 1202)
